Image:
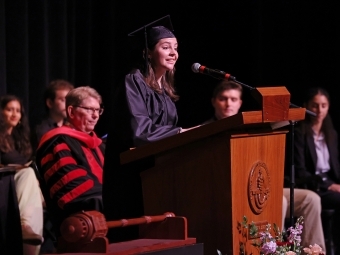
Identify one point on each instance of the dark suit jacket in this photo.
(305, 157)
(10, 227)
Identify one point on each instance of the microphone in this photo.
(198, 68)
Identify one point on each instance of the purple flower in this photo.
(295, 233)
(268, 247)
(264, 236)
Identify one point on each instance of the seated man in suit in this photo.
(227, 100)
(54, 99)
(70, 158)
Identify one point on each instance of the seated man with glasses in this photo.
(70, 158)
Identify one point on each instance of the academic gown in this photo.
(70, 163)
(139, 116)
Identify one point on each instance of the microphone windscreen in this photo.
(195, 67)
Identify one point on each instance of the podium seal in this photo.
(258, 187)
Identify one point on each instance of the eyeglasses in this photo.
(91, 110)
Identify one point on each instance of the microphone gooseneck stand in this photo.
(290, 153)
(291, 171)
(217, 74)
(291, 163)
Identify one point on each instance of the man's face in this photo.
(57, 106)
(227, 103)
(84, 116)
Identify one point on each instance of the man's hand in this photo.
(334, 187)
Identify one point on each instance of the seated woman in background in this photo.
(15, 148)
(316, 152)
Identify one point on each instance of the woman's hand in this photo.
(334, 187)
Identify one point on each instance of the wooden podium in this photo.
(218, 173)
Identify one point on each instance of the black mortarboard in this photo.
(153, 32)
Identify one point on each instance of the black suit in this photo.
(305, 158)
(10, 227)
(305, 154)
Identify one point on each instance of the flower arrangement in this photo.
(283, 243)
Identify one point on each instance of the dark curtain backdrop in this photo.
(262, 43)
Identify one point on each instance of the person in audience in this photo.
(54, 100)
(227, 100)
(70, 158)
(15, 148)
(316, 153)
(143, 112)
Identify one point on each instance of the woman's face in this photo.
(12, 114)
(319, 104)
(164, 56)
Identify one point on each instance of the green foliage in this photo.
(253, 230)
(244, 222)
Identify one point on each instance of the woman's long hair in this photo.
(20, 137)
(167, 82)
(327, 123)
(149, 75)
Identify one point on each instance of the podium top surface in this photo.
(252, 120)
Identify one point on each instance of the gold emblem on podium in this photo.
(258, 187)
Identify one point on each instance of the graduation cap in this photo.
(152, 33)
